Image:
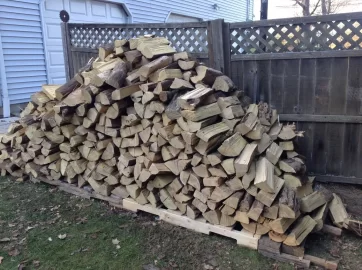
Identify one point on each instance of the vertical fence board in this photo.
(358, 162)
(354, 88)
(291, 86)
(277, 69)
(216, 47)
(335, 138)
(263, 80)
(337, 100)
(353, 132)
(226, 48)
(320, 143)
(307, 84)
(319, 149)
(250, 78)
(66, 50)
(335, 132)
(351, 150)
(306, 143)
(236, 70)
(323, 76)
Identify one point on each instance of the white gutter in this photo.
(42, 20)
(4, 84)
(247, 10)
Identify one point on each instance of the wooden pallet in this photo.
(274, 250)
(242, 237)
(78, 191)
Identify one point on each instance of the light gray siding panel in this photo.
(6, 16)
(26, 4)
(22, 37)
(13, 45)
(20, 21)
(22, 34)
(20, 28)
(22, 85)
(37, 78)
(1, 103)
(175, 18)
(25, 74)
(12, 68)
(157, 10)
(27, 57)
(22, 41)
(9, 52)
(251, 10)
(16, 11)
(15, 63)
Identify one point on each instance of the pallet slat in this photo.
(242, 237)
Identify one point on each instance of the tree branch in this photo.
(300, 3)
(315, 7)
(335, 5)
(305, 4)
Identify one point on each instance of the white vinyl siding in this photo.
(80, 11)
(1, 103)
(154, 11)
(29, 62)
(172, 18)
(23, 50)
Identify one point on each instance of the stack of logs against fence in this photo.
(145, 122)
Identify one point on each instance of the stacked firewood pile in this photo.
(145, 122)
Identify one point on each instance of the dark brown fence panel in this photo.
(81, 41)
(310, 70)
(311, 37)
(324, 97)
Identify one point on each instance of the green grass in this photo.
(89, 226)
(31, 214)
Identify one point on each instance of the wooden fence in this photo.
(81, 41)
(309, 69)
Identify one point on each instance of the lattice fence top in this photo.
(190, 39)
(297, 37)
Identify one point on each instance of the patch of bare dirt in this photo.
(351, 196)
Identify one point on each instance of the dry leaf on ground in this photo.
(14, 252)
(62, 236)
(115, 241)
(29, 228)
(6, 239)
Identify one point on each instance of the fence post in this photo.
(66, 50)
(215, 44)
(226, 48)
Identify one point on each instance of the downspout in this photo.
(4, 84)
(41, 9)
(247, 10)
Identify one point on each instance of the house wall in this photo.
(154, 11)
(0, 85)
(23, 51)
(22, 34)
